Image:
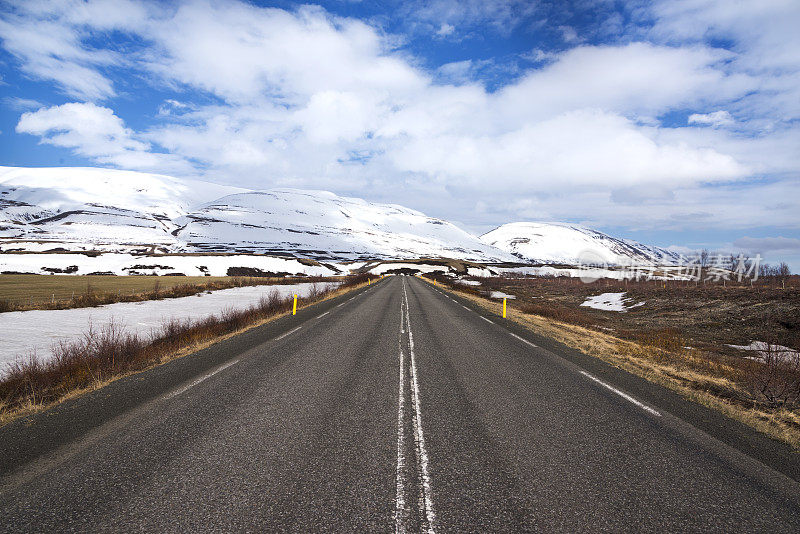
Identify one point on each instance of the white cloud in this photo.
(569, 34)
(49, 38)
(21, 104)
(764, 38)
(308, 99)
(763, 245)
(445, 30)
(500, 15)
(171, 106)
(585, 147)
(637, 78)
(92, 131)
(243, 54)
(715, 119)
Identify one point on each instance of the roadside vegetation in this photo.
(680, 337)
(109, 353)
(21, 292)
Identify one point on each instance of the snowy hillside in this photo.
(111, 211)
(319, 224)
(121, 211)
(84, 207)
(572, 244)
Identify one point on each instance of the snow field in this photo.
(24, 334)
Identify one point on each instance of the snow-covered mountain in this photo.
(84, 207)
(563, 243)
(321, 224)
(118, 211)
(92, 209)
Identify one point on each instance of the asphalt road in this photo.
(395, 408)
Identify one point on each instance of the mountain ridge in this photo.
(569, 243)
(88, 208)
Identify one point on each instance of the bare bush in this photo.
(110, 351)
(773, 378)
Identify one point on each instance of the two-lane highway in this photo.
(398, 409)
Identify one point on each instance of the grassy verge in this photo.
(110, 353)
(762, 395)
(59, 292)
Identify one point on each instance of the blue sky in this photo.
(675, 122)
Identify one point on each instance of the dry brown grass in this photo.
(662, 356)
(108, 354)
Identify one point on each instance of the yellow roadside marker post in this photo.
(504, 307)
(294, 306)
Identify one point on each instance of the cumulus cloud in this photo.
(583, 148)
(764, 40)
(637, 78)
(92, 131)
(308, 99)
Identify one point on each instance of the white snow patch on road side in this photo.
(500, 295)
(468, 282)
(616, 302)
(763, 350)
(36, 331)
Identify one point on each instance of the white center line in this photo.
(622, 394)
(204, 377)
(522, 339)
(419, 436)
(400, 499)
(293, 330)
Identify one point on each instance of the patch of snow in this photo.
(468, 282)
(190, 265)
(764, 349)
(610, 302)
(36, 331)
(500, 295)
(479, 272)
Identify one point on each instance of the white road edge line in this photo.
(292, 331)
(622, 394)
(419, 436)
(323, 314)
(197, 381)
(485, 319)
(522, 339)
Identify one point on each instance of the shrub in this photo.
(774, 378)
